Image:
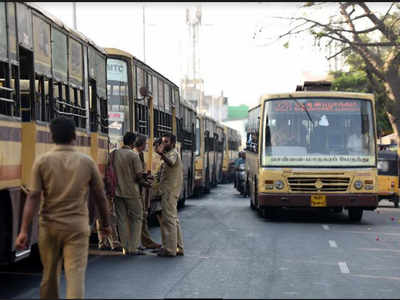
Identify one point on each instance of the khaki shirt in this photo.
(141, 156)
(127, 165)
(171, 178)
(65, 176)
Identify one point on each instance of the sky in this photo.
(231, 60)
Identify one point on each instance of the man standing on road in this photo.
(65, 176)
(146, 240)
(128, 202)
(171, 180)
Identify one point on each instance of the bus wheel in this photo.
(337, 210)
(355, 214)
(5, 226)
(396, 201)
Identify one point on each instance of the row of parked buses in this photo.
(48, 70)
(313, 148)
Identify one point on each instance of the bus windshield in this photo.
(118, 109)
(318, 132)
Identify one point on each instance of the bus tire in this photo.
(5, 227)
(396, 201)
(355, 214)
(337, 210)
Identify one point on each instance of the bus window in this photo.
(308, 133)
(167, 97)
(139, 81)
(160, 95)
(118, 106)
(155, 91)
(197, 150)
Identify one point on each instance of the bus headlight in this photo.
(279, 184)
(358, 185)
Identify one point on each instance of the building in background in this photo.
(237, 119)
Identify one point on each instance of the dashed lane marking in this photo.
(343, 267)
(373, 232)
(379, 249)
(376, 277)
(325, 227)
(332, 244)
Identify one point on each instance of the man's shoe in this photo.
(165, 253)
(117, 249)
(134, 253)
(104, 248)
(180, 252)
(156, 250)
(154, 246)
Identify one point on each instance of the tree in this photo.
(374, 38)
(357, 81)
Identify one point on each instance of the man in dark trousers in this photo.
(64, 176)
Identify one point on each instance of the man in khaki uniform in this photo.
(171, 180)
(128, 202)
(64, 175)
(146, 240)
(110, 242)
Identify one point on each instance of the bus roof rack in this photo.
(320, 85)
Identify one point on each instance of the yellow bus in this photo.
(205, 167)
(186, 137)
(231, 153)
(313, 149)
(44, 73)
(130, 111)
(219, 147)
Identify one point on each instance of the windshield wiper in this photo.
(305, 108)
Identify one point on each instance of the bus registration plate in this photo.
(318, 200)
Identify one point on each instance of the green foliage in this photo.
(357, 81)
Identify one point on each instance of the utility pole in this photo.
(74, 15)
(144, 37)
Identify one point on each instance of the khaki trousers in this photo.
(56, 247)
(129, 219)
(146, 239)
(171, 233)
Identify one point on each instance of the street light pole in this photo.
(144, 37)
(74, 15)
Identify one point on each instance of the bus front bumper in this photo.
(367, 201)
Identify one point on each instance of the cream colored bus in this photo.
(312, 149)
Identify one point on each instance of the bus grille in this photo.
(318, 184)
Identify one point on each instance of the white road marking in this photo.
(332, 244)
(379, 249)
(376, 277)
(343, 267)
(372, 232)
(326, 227)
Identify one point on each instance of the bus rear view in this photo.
(317, 149)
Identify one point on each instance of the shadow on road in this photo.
(20, 277)
(306, 216)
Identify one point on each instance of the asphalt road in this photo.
(232, 252)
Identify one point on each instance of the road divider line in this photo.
(325, 227)
(343, 267)
(332, 244)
